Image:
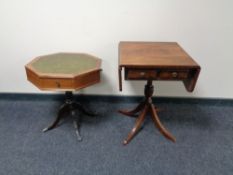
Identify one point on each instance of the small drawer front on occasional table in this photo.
(140, 74)
(57, 83)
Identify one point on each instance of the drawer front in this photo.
(172, 74)
(140, 74)
(156, 74)
(57, 83)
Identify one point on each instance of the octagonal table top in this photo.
(66, 64)
(64, 71)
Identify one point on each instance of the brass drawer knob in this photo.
(58, 84)
(174, 74)
(142, 73)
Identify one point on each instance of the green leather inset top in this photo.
(65, 63)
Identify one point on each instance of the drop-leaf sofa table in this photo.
(65, 72)
(154, 61)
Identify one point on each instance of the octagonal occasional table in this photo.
(65, 72)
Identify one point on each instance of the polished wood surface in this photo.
(57, 83)
(64, 76)
(154, 54)
(70, 107)
(160, 61)
(157, 61)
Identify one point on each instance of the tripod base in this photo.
(69, 107)
(144, 107)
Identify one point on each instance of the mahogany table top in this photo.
(154, 54)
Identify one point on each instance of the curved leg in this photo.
(132, 112)
(77, 127)
(137, 125)
(159, 125)
(81, 108)
(64, 108)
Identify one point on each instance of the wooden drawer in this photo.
(57, 83)
(172, 74)
(64, 84)
(140, 74)
(155, 74)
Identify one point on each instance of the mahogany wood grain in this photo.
(157, 61)
(150, 54)
(64, 81)
(149, 61)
